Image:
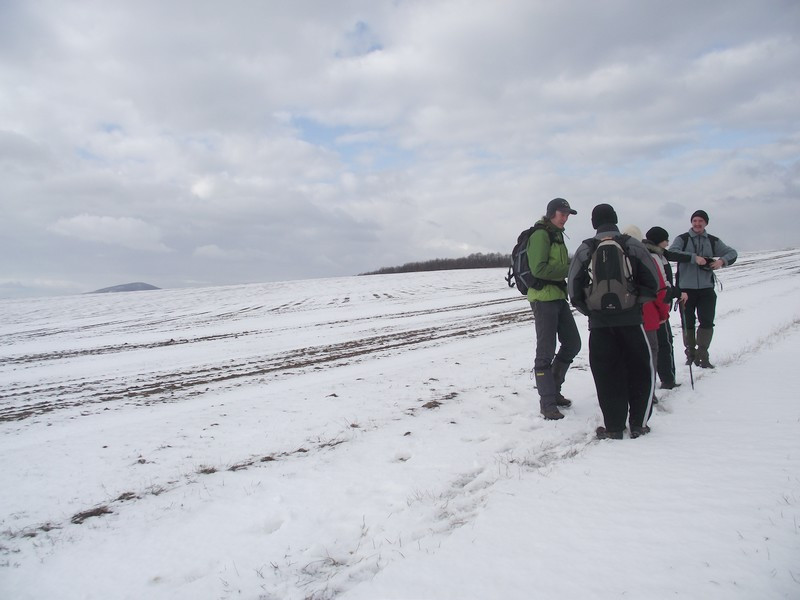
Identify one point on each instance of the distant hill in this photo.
(126, 287)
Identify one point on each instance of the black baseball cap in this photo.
(560, 205)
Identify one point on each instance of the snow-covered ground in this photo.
(379, 437)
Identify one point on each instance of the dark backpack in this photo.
(609, 277)
(519, 272)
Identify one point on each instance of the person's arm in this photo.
(726, 255)
(645, 274)
(679, 252)
(576, 279)
(680, 257)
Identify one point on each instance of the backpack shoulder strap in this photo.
(623, 244)
(550, 233)
(525, 234)
(713, 239)
(685, 238)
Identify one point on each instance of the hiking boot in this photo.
(603, 434)
(690, 360)
(559, 370)
(562, 402)
(668, 385)
(552, 414)
(703, 342)
(639, 431)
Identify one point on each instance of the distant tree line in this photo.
(473, 261)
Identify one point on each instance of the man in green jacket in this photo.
(549, 263)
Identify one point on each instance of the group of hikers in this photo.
(623, 282)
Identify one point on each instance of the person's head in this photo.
(558, 211)
(603, 214)
(634, 232)
(657, 236)
(699, 221)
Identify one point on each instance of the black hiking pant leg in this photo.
(621, 366)
(652, 342)
(610, 376)
(641, 375)
(706, 308)
(666, 355)
(688, 318)
(701, 305)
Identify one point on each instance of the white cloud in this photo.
(203, 188)
(329, 139)
(119, 231)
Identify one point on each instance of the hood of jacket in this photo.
(548, 224)
(653, 248)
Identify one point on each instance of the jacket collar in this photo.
(607, 228)
(653, 248)
(549, 225)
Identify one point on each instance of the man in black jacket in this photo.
(619, 354)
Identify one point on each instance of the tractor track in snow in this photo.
(20, 402)
(27, 359)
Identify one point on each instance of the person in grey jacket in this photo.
(619, 353)
(699, 254)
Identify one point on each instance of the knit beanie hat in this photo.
(657, 235)
(702, 214)
(603, 214)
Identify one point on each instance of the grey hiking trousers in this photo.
(554, 323)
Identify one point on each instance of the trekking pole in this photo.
(683, 328)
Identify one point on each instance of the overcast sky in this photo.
(188, 143)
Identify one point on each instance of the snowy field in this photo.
(379, 437)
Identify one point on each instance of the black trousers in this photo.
(704, 303)
(666, 355)
(623, 375)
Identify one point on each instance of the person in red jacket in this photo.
(657, 241)
(655, 312)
